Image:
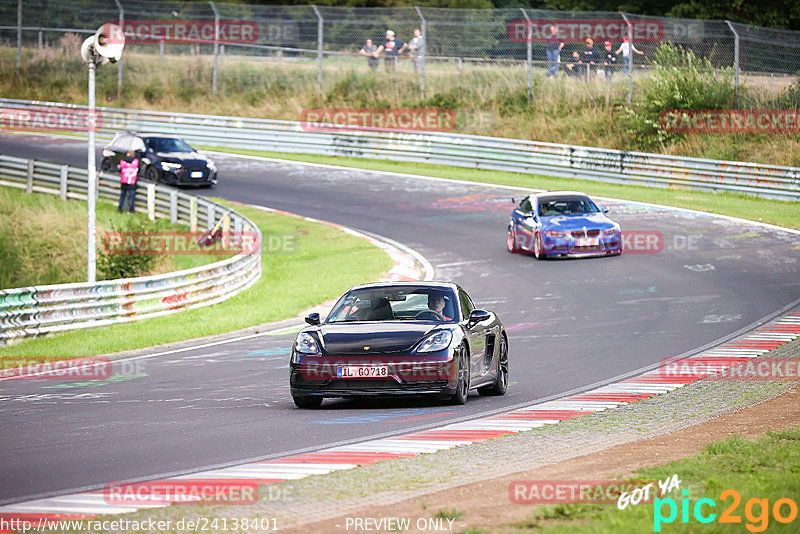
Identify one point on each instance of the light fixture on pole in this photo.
(104, 46)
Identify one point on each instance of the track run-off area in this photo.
(572, 324)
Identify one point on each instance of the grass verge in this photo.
(737, 205)
(45, 239)
(315, 263)
(761, 472)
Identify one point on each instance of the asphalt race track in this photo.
(571, 323)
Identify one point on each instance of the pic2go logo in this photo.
(757, 511)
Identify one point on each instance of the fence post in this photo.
(216, 48)
(320, 23)
(19, 36)
(424, 30)
(62, 182)
(528, 40)
(29, 181)
(193, 214)
(151, 202)
(630, 57)
(210, 220)
(119, 62)
(735, 60)
(173, 206)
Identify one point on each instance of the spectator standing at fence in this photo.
(610, 60)
(393, 47)
(626, 47)
(590, 57)
(574, 66)
(416, 49)
(371, 52)
(128, 171)
(554, 46)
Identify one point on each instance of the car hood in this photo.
(187, 158)
(577, 222)
(381, 337)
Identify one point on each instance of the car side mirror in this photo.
(478, 316)
(313, 319)
(605, 209)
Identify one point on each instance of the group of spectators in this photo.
(392, 47)
(590, 59)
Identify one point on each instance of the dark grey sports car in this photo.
(400, 338)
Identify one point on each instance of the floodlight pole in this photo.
(91, 259)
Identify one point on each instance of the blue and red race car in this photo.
(562, 223)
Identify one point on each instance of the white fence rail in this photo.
(550, 159)
(39, 310)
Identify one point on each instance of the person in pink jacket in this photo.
(128, 170)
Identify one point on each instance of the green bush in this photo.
(680, 81)
(124, 262)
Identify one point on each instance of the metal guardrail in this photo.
(39, 310)
(493, 153)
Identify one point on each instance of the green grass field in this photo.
(318, 263)
(760, 472)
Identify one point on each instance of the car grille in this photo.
(588, 249)
(589, 233)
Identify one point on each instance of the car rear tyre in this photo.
(462, 386)
(538, 248)
(106, 165)
(152, 174)
(501, 381)
(307, 402)
(512, 241)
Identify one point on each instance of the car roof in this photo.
(559, 194)
(431, 284)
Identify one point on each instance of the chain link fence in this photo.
(233, 47)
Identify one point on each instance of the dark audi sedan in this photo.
(400, 338)
(163, 158)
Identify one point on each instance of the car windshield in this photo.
(566, 206)
(396, 304)
(167, 144)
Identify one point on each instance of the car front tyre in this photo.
(152, 174)
(107, 165)
(500, 385)
(538, 248)
(307, 402)
(462, 385)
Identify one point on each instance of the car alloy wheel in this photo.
(106, 165)
(501, 380)
(152, 174)
(538, 247)
(462, 386)
(512, 241)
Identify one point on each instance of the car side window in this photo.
(466, 304)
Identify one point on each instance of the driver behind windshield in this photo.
(436, 303)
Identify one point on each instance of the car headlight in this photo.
(436, 341)
(170, 166)
(611, 231)
(211, 166)
(306, 344)
(556, 233)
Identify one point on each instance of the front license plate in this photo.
(362, 371)
(587, 241)
(196, 174)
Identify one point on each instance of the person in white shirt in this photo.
(626, 47)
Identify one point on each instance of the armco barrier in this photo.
(598, 164)
(31, 311)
